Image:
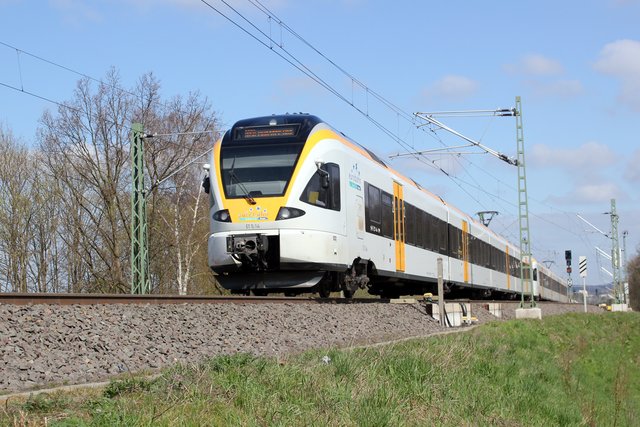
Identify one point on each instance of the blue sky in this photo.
(576, 65)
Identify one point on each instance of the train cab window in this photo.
(318, 193)
(535, 274)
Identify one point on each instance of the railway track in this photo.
(89, 299)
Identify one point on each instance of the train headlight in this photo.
(288, 213)
(222, 216)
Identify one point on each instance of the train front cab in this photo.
(277, 212)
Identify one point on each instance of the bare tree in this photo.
(86, 149)
(16, 211)
(45, 243)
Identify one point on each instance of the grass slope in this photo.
(573, 369)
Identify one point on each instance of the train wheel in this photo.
(290, 294)
(347, 293)
(324, 292)
(260, 292)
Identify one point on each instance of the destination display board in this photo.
(266, 132)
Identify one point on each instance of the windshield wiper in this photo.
(232, 174)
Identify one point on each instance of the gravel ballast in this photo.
(45, 345)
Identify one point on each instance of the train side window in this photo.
(434, 233)
(473, 250)
(334, 179)
(442, 237)
(454, 242)
(317, 194)
(373, 211)
(486, 254)
(419, 228)
(387, 214)
(426, 231)
(410, 224)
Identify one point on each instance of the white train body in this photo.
(547, 285)
(298, 207)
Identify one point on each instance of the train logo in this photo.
(354, 178)
(254, 214)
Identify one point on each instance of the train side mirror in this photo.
(206, 184)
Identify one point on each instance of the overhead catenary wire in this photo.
(95, 116)
(365, 113)
(88, 77)
(399, 112)
(298, 64)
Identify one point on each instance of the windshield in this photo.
(258, 169)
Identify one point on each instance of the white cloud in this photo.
(535, 64)
(621, 60)
(542, 76)
(597, 193)
(632, 173)
(558, 88)
(586, 157)
(452, 87)
(589, 193)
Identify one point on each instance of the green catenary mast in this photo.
(139, 233)
(523, 212)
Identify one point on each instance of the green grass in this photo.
(574, 369)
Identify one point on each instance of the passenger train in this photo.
(298, 207)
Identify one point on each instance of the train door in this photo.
(465, 251)
(398, 225)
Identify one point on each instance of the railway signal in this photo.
(567, 257)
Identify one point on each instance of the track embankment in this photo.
(46, 345)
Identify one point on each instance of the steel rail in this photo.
(88, 299)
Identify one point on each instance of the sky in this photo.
(575, 65)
